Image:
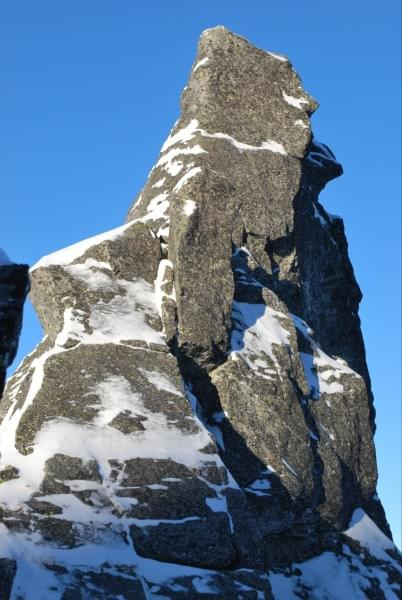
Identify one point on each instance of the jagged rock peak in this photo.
(239, 90)
(14, 286)
(198, 420)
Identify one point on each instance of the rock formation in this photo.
(14, 286)
(198, 420)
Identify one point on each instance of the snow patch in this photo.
(218, 504)
(92, 273)
(98, 441)
(156, 208)
(289, 468)
(159, 183)
(302, 124)
(183, 136)
(187, 133)
(163, 232)
(189, 207)
(200, 63)
(259, 487)
(161, 382)
(115, 396)
(296, 102)
(160, 281)
(278, 56)
(365, 531)
(71, 253)
(319, 367)
(325, 576)
(125, 316)
(256, 330)
(169, 163)
(204, 585)
(267, 145)
(122, 318)
(191, 173)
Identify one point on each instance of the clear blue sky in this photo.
(90, 89)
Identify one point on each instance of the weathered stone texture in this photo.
(198, 422)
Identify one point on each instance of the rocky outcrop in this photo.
(198, 421)
(14, 286)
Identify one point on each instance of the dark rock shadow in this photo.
(8, 569)
(317, 284)
(273, 529)
(14, 287)
(281, 529)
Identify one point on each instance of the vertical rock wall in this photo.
(14, 286)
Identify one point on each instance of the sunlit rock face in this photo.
(14, 286)
(198, 420)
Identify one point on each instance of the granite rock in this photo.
(198, 421)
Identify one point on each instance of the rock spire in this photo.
(198, 421)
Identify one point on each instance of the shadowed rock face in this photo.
(198, 420)
(14, 286)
